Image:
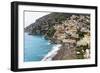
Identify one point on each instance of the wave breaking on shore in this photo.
(52, 53)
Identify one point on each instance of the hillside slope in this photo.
(70, 30)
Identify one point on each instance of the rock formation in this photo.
(70, 30)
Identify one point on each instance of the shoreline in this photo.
(52, 53)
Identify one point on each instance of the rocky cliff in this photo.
(70, 30)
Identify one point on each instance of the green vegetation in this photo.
(65, 29)
(59, 17)
(80, 56)
(81, 34)
(50, 32)
(33, 30)
(81, 49)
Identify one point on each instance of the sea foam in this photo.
(52, 53)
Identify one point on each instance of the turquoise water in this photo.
(35, 47)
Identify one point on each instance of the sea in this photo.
(36, 47)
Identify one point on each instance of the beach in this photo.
(52, 53)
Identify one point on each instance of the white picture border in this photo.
(34, 64)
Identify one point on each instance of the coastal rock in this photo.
(72, 31)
